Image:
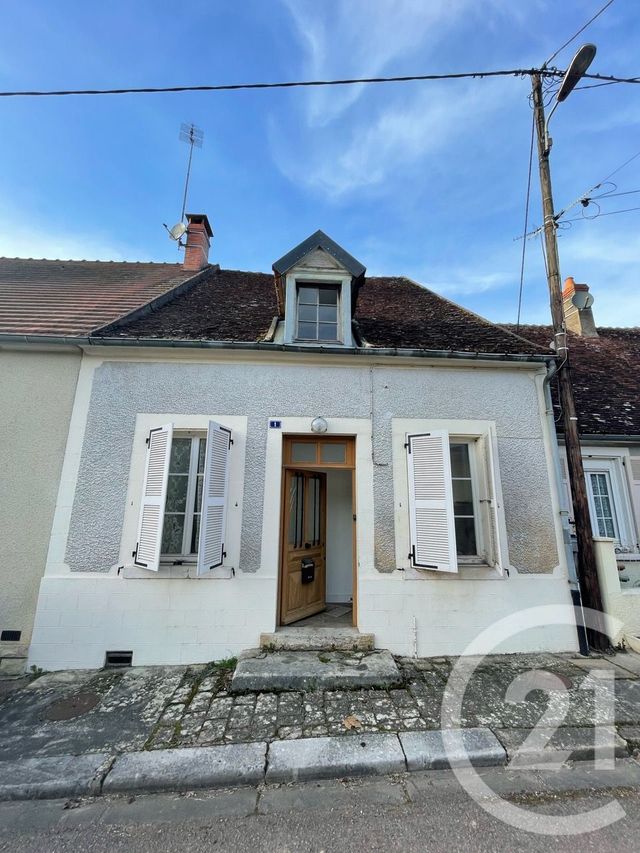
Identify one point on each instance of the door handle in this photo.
(307, 545)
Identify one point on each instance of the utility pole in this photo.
(587, 572)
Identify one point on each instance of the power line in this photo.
(291, 84)
(598, 215)
(526, 222)
(581, 30)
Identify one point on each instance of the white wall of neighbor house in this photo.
(37, 391)
(88, 605)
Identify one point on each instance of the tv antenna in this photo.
(194, 137)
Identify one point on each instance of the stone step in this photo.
(317, 639)
(310, 670)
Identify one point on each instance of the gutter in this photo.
(253, 346)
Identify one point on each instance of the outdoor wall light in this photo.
(319, 425)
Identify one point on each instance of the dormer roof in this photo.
(319, 240)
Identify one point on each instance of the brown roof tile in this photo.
(229, 305)
(606, 378)
(42, 297)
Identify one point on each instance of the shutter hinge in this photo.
(230, 442)
(134, 554)
(407, 444)
(233, 571)
(147, 439)
(507, 572)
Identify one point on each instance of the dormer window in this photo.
(317, 283)
(318, 313)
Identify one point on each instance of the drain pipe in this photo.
(415, 637)
(574, 584)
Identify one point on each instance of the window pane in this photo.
(465, 537)
(331, 454)
(307, 331)
(462, 497)
(328, 332)
(195, 532)
(201, 454)
(460, 460)
(328, 295)
(308, 295)
(307, 312)
(296, 510)
(177, 493)
(199, 485)
(172, 534)
(303, 451)
(328, 314)
(180, 456)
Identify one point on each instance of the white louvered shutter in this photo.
(431, 523)
(154, 496)
(214, 498)
(492, 551)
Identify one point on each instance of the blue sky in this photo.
(422, 179)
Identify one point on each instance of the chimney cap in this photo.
(200, 219)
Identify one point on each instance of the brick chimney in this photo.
(578, 319)
(196, 250)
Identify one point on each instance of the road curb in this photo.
(233, 765)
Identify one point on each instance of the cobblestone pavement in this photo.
(202, 711)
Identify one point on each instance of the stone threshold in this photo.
(294, 638)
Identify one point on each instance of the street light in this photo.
(587, 572)
(576, 70)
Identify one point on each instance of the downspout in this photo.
(574, 586)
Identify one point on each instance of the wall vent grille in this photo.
(117, 660)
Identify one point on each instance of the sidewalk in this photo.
(177, 724)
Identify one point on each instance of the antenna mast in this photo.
(192, 135)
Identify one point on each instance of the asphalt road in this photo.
(414, 812)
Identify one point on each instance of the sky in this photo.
(423, 179)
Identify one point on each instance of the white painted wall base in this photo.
(449, 614)
(178, 621)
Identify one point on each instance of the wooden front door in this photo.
(304, 545)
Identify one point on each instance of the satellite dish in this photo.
(177, 231)
(581, 299)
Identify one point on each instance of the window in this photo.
(184, 496)
(602, 510)
(464, 513)
(317, 316)
(453, 504)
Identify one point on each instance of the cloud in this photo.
(361, 38)
(363, 155)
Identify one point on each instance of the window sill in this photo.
(466, 572)
(186, 571)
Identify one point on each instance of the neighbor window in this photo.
(318, 311)
(184, 496)
(602, 510)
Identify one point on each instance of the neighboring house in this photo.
(45, 307)
(605, 370)
(261, 446)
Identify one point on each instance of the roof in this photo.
(229, 305)
(43, 297)
(319, 240)
(606, 378)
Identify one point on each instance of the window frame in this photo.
(197, 423)
(475, 471)
(496, 565)
(338, 278)
(186, 557)
(319, 285)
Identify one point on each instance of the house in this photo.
(45, 308)
(605, 369)
(255, 449)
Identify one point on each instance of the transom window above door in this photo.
(318, 313)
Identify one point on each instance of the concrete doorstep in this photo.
(305, 759)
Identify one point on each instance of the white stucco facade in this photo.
(92, 600)
(37, 389)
